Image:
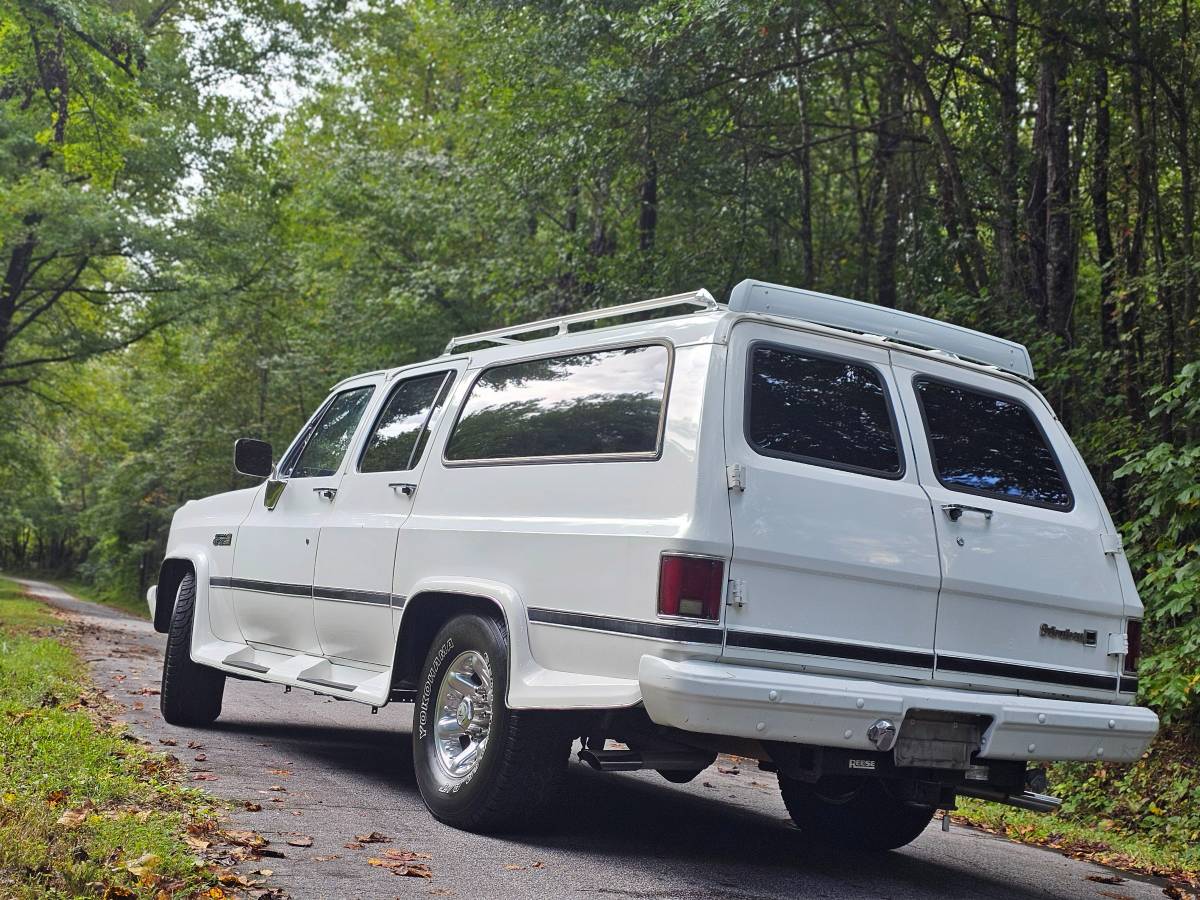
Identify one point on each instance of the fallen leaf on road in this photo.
(326, 858)
(514, 868)
(404, 855)
(251, 806)
(280, 772)
(138, 705)
(245, 838)
(296, 812)
(373, 838)
(1106, 879)
(269, 852)
(168, 742)
(195, 745)
(196, 843)
(538, 865)
(147, 691)
(396, 867)
(200, 757)
(204, 776)
(709, 784)
(301, 841)
(728, 770)
(353, 845)
(277, 788)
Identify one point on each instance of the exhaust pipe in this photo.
(1024, 800)
(632, 760)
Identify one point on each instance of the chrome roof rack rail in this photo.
(890, 324)
(700, 299)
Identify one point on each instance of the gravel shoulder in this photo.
(327, 771)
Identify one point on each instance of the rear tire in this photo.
(481, 766)
(191, 693)
(853, 814)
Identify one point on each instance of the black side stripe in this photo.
(697, 634)
(348, 595)
(1025, 673)
(809, 646)
(1129, 684)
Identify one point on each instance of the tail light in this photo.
(1133, 631)
(690, 586)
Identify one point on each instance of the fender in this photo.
(530, 686)
(162, 602)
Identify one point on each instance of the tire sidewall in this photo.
(447, 797)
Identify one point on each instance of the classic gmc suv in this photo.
(852, 543)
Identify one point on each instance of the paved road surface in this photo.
(616, 836)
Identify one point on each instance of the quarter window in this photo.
(987, 444)
(599, 403)
(402, 428)
(821, 410)
(331, 435)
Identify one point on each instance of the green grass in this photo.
(80, 804)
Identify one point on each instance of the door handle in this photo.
(954, 511)
(405, 487)
(325, 493)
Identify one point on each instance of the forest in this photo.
(212, 210)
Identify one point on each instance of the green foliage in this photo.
(1164, 544)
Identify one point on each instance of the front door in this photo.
(356, 553)
(1031, 588)
(276, 547)
(834, 554)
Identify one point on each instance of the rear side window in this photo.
(821, 410)
(599, 403)
(400, 432)
(329, 438)
(986, 444)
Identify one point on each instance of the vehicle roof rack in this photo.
(890, 324)
(701, 299)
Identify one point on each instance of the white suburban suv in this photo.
(851, 543)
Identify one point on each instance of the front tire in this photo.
(481, 766)
(191, 693)
(853, 813)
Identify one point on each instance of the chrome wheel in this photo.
(464, 710)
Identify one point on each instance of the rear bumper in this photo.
(795, 707)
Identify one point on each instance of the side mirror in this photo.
(252, 457)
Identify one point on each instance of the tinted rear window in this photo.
(987, 444)
(605, 402)
(821, 410)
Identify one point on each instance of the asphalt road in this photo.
(346, 772)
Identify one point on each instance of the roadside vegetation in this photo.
(84, 811)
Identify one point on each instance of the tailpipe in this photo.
(632, 760)
(1024, 800)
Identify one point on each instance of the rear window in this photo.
(821, 410)
(986, 444)
(599, 403)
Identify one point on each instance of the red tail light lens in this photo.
(691, 586)
(1133, 631)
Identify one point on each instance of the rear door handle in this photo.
(404, 487)
(325, 493)
(954, 511)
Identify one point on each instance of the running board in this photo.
(344, 680)
(1024, 800)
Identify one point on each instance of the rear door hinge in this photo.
(737, 593)
(1112, 543)
(735, 477)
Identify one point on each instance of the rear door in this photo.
(1029, 596)
(835, 556)
(352, 596)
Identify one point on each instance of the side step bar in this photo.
(1024, 800)
(632, 760)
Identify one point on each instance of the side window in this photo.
(330, 437)
(599, 403)
(820, 410)
(991, 445)
(402, 429)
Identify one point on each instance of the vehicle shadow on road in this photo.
(650, 826)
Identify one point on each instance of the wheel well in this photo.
(170, 575)
(424, 615)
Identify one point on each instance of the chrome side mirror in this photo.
(252, 457)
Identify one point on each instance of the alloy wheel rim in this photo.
(464, 715)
